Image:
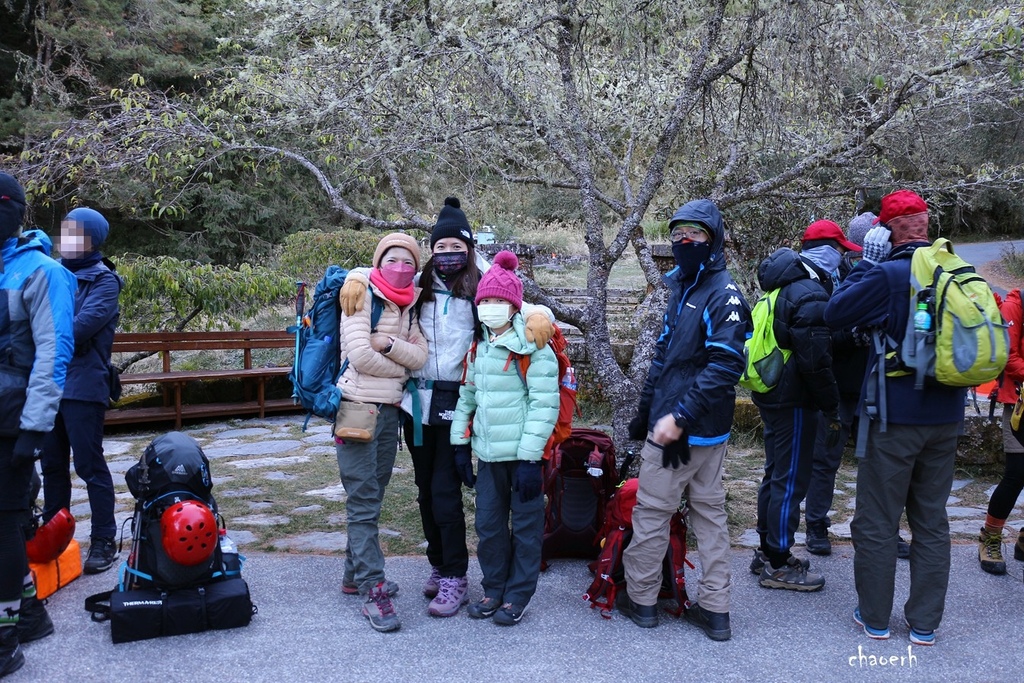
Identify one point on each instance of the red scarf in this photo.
(402, 297)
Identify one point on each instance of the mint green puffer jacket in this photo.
(512, 419)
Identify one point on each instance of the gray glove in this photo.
(876, 244)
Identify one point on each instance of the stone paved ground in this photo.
(281, 486)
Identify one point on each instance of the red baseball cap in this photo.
(827, 230)
(900, 203)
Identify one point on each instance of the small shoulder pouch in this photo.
(443, 398)
(355, 421)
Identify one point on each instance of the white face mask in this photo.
(494, 315)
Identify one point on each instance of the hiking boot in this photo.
(33, 621)
(452, 594)
(817, 542)
(433, 583)
(925, 638)
(871, 632)
(349, 587)
(757, 564)
(509, 614)
(484, 609)
(791, 576)
(990, 551)
(715, 624)
(11, 656)
(102, 553)
(379, 609)
(902, 549)
(1018, 548)
(644, 616)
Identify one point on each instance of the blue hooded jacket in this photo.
(37, 297)
(699, 356)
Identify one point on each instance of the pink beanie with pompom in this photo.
(501, 280)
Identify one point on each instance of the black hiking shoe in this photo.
(644, 616)
(817, 542)
(509, 614)
(902, 549)
(102, 554)
(484, 609)
(33, 621)
(714, 624)
(757, 564)
(11, 656)
(791, 576)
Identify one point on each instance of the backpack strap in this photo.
(417, 412)
(98, 606)
(376, 310)
(874, 405)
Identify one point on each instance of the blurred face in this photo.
(74, 242)
(449, 244)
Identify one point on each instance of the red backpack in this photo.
(615, 535)
(579, 479)
(567, 407)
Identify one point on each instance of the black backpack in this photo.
(157, 595)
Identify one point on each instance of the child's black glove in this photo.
(464, 464)
(527, 480)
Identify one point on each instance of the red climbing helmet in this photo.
(188, 531)
(52, 538)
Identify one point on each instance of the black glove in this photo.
(835, 430)
(676, 453)
(464, 464)
(28, 448)
(637, 429)
(527, 481)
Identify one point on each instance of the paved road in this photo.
(306, 630)
(981, 253)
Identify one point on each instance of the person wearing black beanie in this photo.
(451, 222)
(12, 207)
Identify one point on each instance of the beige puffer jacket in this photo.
(373, 376)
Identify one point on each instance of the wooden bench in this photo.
(171, 381)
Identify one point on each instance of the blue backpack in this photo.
(317, 365)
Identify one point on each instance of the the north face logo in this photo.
(180, 469)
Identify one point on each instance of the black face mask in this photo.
(451, 262)
(690, 255)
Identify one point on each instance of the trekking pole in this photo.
(300, 304)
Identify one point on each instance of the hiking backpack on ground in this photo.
(615, 535)
(579, 478)
(959, 338)
(317, 365)
(183, 573)
(765, 359)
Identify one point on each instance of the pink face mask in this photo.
(398, 275)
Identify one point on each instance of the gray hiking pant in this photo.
(908, 466)
(657, 499)
(365, 470)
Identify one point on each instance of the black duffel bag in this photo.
(150, 613)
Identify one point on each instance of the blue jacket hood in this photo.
(705, 212)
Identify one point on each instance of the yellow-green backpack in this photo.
(765, 359)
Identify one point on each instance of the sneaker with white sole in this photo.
(869, 631)
(791, 576)
(433, 583)
(379, 609)
(924, 638)
(452, 594)
(757, 564)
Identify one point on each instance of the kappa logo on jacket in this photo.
(734, 317)
(733, 301)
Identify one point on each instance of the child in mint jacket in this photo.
(505, 417)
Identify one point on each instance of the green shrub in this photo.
(1013, 260)
(307, 254)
